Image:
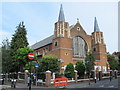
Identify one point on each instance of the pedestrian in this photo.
(34, 79)
(28, 80)
(2, 81)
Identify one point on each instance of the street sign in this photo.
(31, 56)
(36, 64)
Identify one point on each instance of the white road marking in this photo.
(111, 86)
(5, 86)
(101, 86)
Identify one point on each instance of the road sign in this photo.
(36, 64)
(31, 56)
(60, 82)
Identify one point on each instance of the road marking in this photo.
(5, 86)
(111, 86)
(101, 86)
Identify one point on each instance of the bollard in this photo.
(76, 76)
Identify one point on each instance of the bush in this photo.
(49, 63)
(69, 71)
(80, 67)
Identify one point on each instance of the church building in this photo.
(71, 43)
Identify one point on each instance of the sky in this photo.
(39, 19)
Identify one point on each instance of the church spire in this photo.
(61, 15)
(96, 27)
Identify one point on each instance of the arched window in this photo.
(79, 47)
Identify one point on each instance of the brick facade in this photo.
(62, 45)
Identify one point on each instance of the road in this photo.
(114, 83)
(105, 84)
(99, 84)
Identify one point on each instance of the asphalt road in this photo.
(105, 84)
(99, 84)
(114, 84)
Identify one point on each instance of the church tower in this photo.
(62, 42)
(99, 48)
(61, 27)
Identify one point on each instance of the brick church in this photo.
(71, 43)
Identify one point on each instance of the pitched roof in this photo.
(42, 43)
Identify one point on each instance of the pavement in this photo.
(114, 83)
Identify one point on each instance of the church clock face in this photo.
(79, 47)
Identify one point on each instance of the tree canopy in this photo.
(19, 40)
(69, 71)
(112, 61)
(22, 57)
(80, 67)
(6, 57)
(49, 63)
(89, 62)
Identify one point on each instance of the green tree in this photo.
(89, 62)
(80, 67)
(19, 40)
(119, 58)
(112, 61)
(48, 63)
(22, 57)
(28, 65)
(6, 57)
(69, 71)
(119, 62)
(0, 59)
